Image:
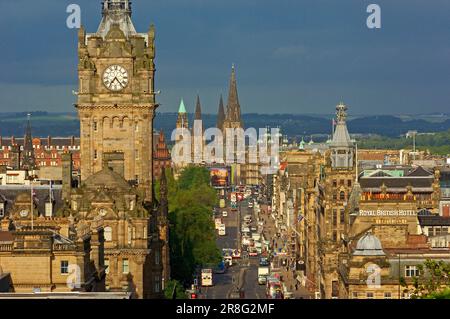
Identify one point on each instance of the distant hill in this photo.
(66, 124)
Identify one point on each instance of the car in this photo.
(253, 229)
(225, 213)
(245, 229)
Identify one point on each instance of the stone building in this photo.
(161, 155)
(335, 186)
(116, 98)
(116, 106)
(50, 254)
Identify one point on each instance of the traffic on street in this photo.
(250, 267)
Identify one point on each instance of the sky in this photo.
(291, 56)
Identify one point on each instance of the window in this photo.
(95, 154)
(108, 234)
(129, 235)
(107, 265)
(334, 183)
(341, 182)
(342, 217)
(136, 154)
(64, 267)
(334, 217)
(157, 257)
(342, 196)
(125, 266)
(369, 295)
(95, 126)
(355, 295)
(411, 271)
(157, 284)
(2, 210)
(387, 295)
(334, 196)
(349, 183)
(335, 236)
(444, 231)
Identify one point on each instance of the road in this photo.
(244, 273)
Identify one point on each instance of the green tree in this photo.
(174, 289)
(192, 232)
(433, 281)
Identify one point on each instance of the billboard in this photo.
(219, 177)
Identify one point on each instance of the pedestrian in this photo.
(296, 287)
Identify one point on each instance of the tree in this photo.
(174, 289)
(433, 281)
(192, 233)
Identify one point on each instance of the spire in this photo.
(198, 109)
(233, 107)
(341, 138)
(182, 108)
(220, 114)
(28, 159)
(182, 121)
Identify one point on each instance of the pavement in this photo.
(287, 274)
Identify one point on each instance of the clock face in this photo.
(115, 78)
(23, 213)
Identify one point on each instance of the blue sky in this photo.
(292, 56)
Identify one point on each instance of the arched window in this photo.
(342, 196)
(108, 233)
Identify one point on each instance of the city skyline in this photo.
(298, 57)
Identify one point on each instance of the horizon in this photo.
(297, 57)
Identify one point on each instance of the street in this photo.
(244, 272)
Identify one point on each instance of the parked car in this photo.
(225, 213)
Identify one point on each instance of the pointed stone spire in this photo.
(28, 151)
(220, 114)
(198, 109)
(233, 115)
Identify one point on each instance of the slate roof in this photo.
(42, 196)
(433, 220)
(418, 178)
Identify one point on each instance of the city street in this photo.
(244, 272)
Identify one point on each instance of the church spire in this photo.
(220, 114)
(182, 121)
(28, 159)
(233, 107)
(198, 109)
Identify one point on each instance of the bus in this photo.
(207, 277)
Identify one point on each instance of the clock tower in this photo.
(116, 99)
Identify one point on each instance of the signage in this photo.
(387, 213)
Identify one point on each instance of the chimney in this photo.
(49, 141)
(115, 161)
(66, 159)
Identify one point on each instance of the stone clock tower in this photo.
(116, 99)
